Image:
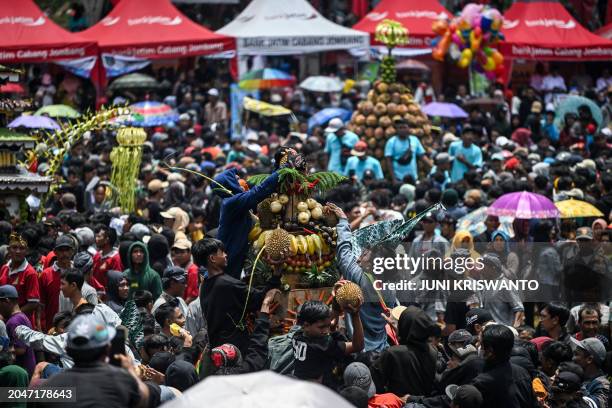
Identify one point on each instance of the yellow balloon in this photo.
(490, 64)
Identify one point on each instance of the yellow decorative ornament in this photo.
(126, 160)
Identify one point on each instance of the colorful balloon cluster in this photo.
(469, 38)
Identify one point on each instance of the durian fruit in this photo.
(349, 294)
(278, 244)
(264, 213)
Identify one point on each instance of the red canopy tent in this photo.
(546, 31)
(605, 32)
(27, 35)
(153, 29)
(416, 15)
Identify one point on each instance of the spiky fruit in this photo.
(264, 212)
(349, 294)
(278, 244)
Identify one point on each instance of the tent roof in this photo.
(416, 15)
(27, 35)
(605, 32)
(154, 29)
(282, 27)
(544, 30)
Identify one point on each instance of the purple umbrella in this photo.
(445, 110)
(523, 205)
(34, 122)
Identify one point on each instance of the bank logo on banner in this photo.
(421, 14)
(292, 16)
(109, 21)
(543, 22)
(377, 16)
(26, 21)
(162, 20)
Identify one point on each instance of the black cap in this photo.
(465, 396)
(65, 241)
(567, 381)
(175, 273)
(477, 316)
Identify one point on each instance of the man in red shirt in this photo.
(19, 273)
(106, 259)
(181, 256)
(50, 279)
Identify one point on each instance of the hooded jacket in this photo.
(410, 367)
(235, 221)
(147, 278)
(112, 291)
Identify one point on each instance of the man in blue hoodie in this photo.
(235, 221)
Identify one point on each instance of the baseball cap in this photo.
(460, 336)
(175, 177)
(155, 185)
(334, 125)
(68, 198)
(358, 374)
(8, 292)
(449, 138)
(501, 141)
(175, 273)
(567, 381)
(181, 243)
(85, 235)
(594, 347)
(477, 316)
(465, 396)
(64, 241)
(536, 107)
(184, 116)
(159, 136)
(497, 156)
(585, 233)
(359, 149)
(87, 332)
(213, 92)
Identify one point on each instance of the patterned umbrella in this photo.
(523, 205)
(474, 223)
(134, 81)
(577, 209)
(149, 114)
(34, 122)
(58, 111)
(265, 79)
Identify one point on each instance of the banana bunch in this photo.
(126, 160)
(312, 244)
(7, 158)
(391, 33)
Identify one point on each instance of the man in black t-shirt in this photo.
(95, 382)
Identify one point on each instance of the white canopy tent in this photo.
(289, 27)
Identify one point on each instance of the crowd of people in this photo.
(134, 309)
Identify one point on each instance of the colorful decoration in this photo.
(265, 79)
(126, 160)
(391, 33)
(469, 40)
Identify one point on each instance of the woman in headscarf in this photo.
(117, 289)
(500, 245)
(463, 239)
(599, 226)
(522, 137)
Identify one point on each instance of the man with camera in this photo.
(402, 151)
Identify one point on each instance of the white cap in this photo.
(501, 141)
(334, 125)
(213, 92)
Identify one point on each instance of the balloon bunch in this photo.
(469, 40)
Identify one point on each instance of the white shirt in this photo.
(551, 82)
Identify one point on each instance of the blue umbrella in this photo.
(571, 105)
(444, 110)
(327, 114)
(34, 122)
